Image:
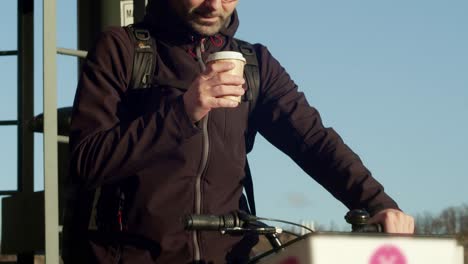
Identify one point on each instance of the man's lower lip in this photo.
(203, 18)
(212, 19)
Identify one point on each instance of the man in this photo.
(142, 159)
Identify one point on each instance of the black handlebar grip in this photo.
(204, 222)
(212, 222)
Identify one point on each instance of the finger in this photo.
(410, 225)
(400, 223)
(385, 219)
(392, 225)
(388, 226)
(222, 103)
(213, 69)
(223, 90)
(394, 221)
(220, 66)
(404, 223)
(226, 79)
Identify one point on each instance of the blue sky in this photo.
(389, 76)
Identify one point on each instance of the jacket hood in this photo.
(166, 24)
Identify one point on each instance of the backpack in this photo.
(144, 66)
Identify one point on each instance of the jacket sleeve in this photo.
(104, 147)
(286, 120)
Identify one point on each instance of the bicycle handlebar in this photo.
(240, 222)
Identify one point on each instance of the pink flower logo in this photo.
(388, 254)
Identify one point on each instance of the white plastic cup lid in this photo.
(226, 55)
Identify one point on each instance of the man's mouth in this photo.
(209, 19)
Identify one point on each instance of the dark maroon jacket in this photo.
(151, 165)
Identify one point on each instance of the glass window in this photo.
(38, 69)
(9, 25)
(67, 80)
(8, 88)
(8, 158)
(67, 66)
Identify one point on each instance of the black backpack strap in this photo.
(252, 76)
(251, 72)
(144, 60)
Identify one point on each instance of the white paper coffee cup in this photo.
(231, 56)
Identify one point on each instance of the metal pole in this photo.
(8, 52)
(25, 105)
(94, 17)
(139, 9)
(25, 95)
(70, 52)
(50, 133)
(8, 122)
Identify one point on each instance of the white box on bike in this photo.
(340, 248)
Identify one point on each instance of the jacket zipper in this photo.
(205, 150)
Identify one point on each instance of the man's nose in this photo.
(213, 4)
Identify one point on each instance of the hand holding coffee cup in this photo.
(229, 56)
(219, 86)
